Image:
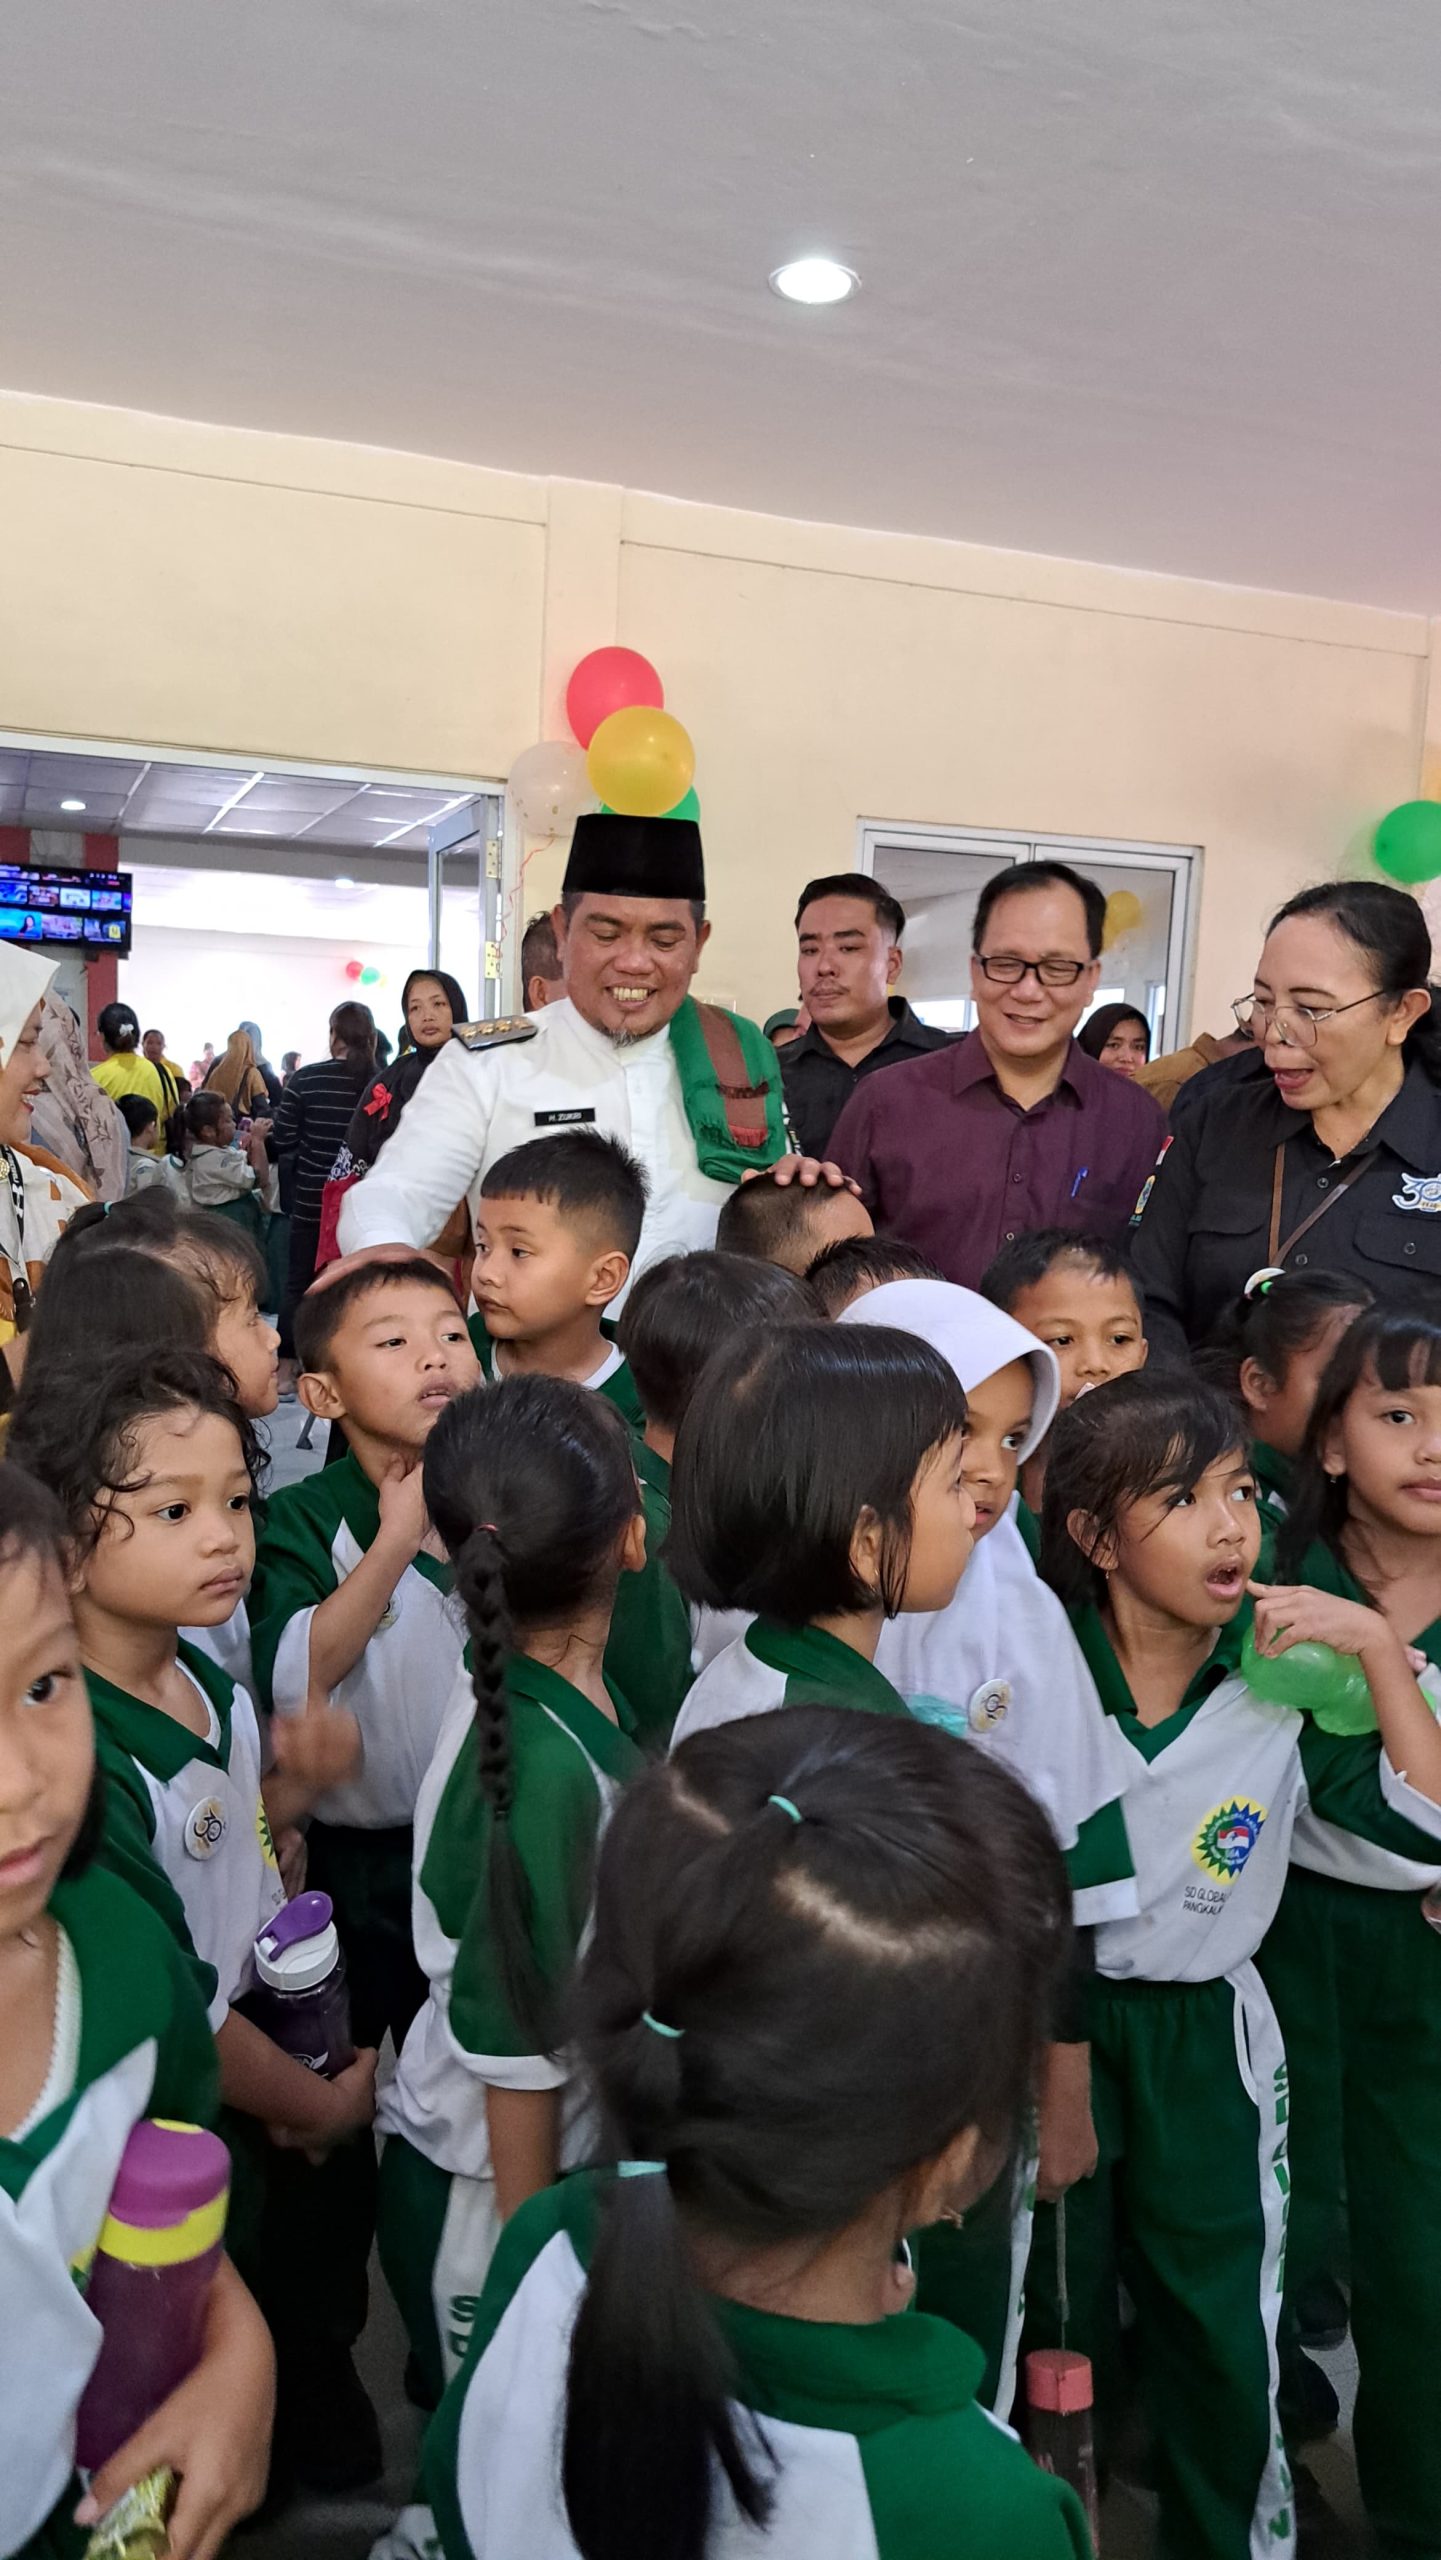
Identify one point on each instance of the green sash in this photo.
(730, 1081)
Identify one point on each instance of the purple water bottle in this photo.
(150, 2280)
(300, 1999)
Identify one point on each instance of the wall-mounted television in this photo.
(90, 909)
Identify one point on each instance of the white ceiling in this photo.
(167, 799)
(1150, 281)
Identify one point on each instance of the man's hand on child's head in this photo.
(403, 1517)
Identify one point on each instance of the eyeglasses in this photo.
(1294, 1024)
(1007, 969)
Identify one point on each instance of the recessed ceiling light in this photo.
(815, 280)
(343, 880)
(72, 804)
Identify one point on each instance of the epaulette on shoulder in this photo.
(495, 1035)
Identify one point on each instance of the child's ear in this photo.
(632, 1545)
(1333, 1452)
(608, 1275)
(1145, 1351)
(867, 1540)
(1256, 1384)
(319, 1394)
(947, 2184)
(1097, 1545)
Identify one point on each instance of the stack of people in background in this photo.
(867, 1747)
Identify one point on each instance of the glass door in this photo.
(938, 874)
(464, 878)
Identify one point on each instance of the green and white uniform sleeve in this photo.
(1001, 1668)
(195, 1806)
(567, 1763)
(773, 1666)
(313, 1536)
(882, 2451)
(136, 2043)
(648, 1656)
(1338, 1834)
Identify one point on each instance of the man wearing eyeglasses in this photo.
(1014, 1127)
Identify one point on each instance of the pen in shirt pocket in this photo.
(1080, 1178)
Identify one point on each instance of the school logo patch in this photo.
(1227, 1837)
(990, 1706)
(1419, 1191)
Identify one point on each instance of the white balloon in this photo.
(550, 786)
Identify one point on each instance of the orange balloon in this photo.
(641, 762)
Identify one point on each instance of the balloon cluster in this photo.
(629, 752)
(1407, 843)
(362, 976)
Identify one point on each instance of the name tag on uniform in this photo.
(572, 1119)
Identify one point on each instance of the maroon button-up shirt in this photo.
(946, 1160)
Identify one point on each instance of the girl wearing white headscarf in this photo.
(1000, 1668)
(38, 1195)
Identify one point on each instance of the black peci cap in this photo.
(620, 857)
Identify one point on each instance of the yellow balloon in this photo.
(1123, 913)
(640, 762)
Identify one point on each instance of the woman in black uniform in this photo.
(1332, 1158)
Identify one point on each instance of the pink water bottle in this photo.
(150, 2280)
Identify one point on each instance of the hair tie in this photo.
(786, 1806)
(658, 2027)
(640, 2168)
(488, 1527)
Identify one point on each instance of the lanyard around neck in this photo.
(1278, 1248)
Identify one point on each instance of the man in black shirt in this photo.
(849, 931)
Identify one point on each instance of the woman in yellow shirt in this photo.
(123, 1069)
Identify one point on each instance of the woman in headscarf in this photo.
(73, 1119)
(1117, 1036)
(38, 1194)
(237, 1076)
(432, 1004)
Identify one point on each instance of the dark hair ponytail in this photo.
(1398, 1346)
(1282, 1317)
(1387, 924)
(796, 1911)
(353, 1025)
(531, 1486)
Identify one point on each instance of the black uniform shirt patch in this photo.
(571, 1119)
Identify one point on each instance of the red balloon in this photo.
(610, 680)
(354, 969)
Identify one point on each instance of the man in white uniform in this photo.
(692, 1090)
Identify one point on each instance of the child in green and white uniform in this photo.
(353, 1599)
(804, 1908)
(100, 2025)
(1151, 1532)
(1270, 1351)
(556, 1229)
(1353, 1967)
(532, 1488)
(153, 1464)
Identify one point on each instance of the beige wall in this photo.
(197, 587)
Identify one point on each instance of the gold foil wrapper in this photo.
(137, 2527)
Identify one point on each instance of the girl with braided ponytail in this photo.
(812, 2006)
(532, 1488)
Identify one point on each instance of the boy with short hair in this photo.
(556, 1229)
(1075, 1294)
(678, 1313)
(352, 1599)
(146, 1161)
(847, 1270)
(789, 1222)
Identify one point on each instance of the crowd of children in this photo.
(613, 1680)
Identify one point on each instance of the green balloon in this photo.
(689, 807)
(1330, 1687)
(1407, 843)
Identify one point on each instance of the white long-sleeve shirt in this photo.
(475, 1105)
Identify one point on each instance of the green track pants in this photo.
(1356, 1977)
(1188, 2090)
